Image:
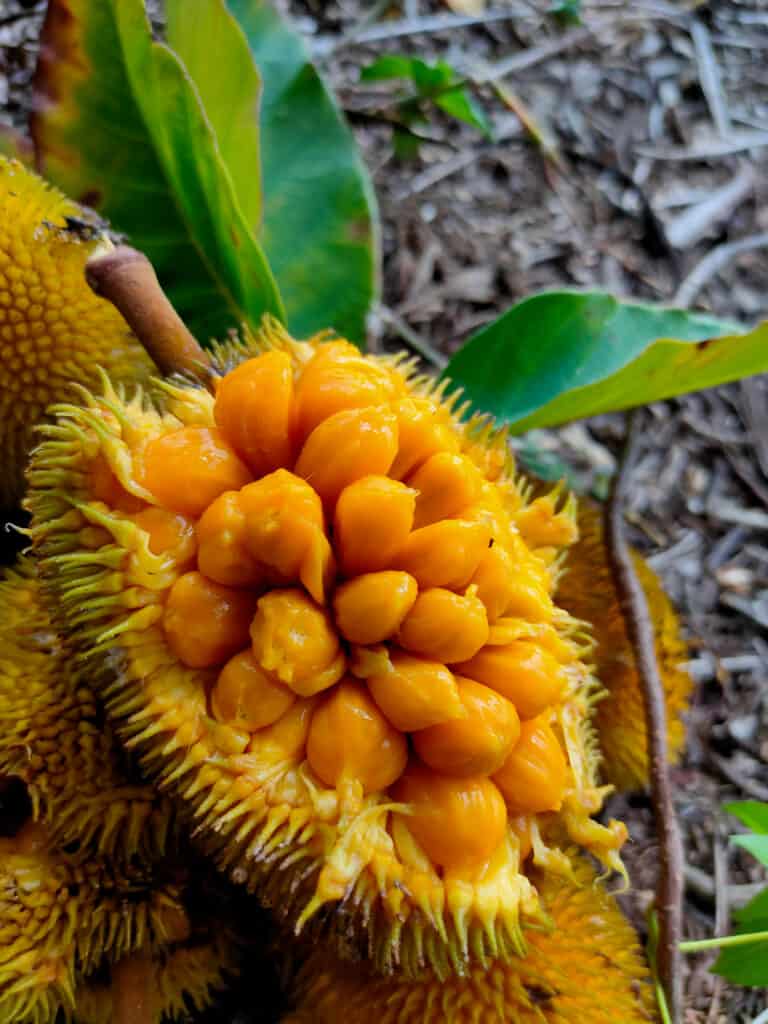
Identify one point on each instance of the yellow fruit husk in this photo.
(586, 589)
(55, 737)
(61, 916)
(183, 978)
(259, 809)
(53, 329)
(588, 968)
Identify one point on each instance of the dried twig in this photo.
(689, 227)
(713, 262)
(738, 142)
(738, 894)
(127, 279)
(709, 76)
(415, 341)
(381, 31)
(669, 893)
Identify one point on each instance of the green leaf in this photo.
(567, 12)
(747, 964)
(320, 228)
(216, 54)
(121, 126)
(751, 813)
(389, 66)
(432, 82)
(428, 78)
(756, 845)
(753, 917)
(561, 356)
(405, 144)
(463, 107)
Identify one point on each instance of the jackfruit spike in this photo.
(587, 966)
(53, 737)
(62, 916)
(587, 591)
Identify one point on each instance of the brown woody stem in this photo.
(127, 279)
(132, 990)
(634, 607)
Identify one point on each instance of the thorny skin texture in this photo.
(589, 969)
(319, 605)
(46, 307)
(62, 916)
(93, 878)
(54, 737)
(587, 590)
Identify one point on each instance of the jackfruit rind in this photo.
(587, 590)
(271, 806)
(55, 737)
(185, 978)
(60, 917)
(588, 969)
(53, 329)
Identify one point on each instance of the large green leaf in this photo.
(319, 219)
(217, 56)
(564, 355)
(120, 125)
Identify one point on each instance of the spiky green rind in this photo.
(55, 737)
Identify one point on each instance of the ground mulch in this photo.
(641, 169)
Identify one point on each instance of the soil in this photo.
(638, 166)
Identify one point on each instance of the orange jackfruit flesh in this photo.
(586, 590)
(53, 330)
(54, 737)
(586, 968)
(347, 588)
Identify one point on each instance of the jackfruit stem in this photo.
(125, 277)
(132, 990)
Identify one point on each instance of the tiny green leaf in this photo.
(751, 813)
(461, 105)
(389, 66)
(564, 355)
(756, 845)
(406, 144)
(567, 12)
(429, 78)
(747, 964)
